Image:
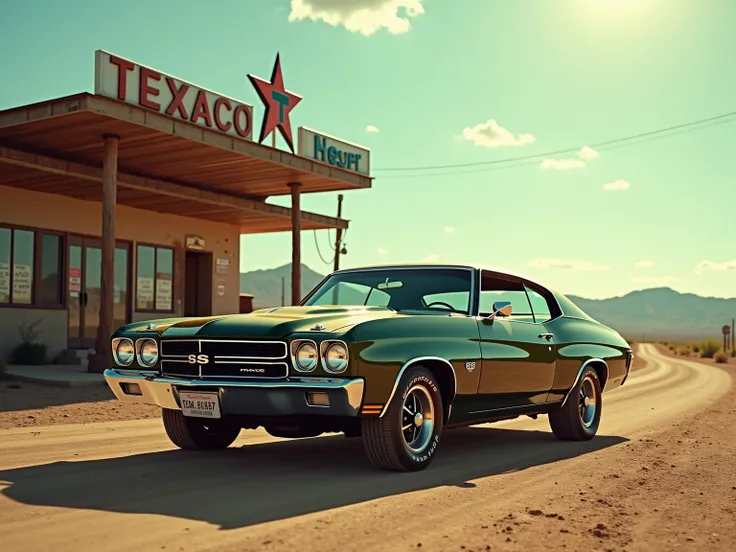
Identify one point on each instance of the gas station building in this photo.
(128, 203)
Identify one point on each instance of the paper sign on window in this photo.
(4, 282)
(163, 291)
(22, 283)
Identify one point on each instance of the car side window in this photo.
(493, 290)
(540, 307)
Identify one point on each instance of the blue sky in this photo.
(552, 74)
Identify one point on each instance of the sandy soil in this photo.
(27, 404)
(660, 476)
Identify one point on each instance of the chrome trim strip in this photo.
(294, 346)
(403, 369)
(580, 373)
(629, 366)
(158, 389)
(530, 407)
(326, 344)
(200, 341)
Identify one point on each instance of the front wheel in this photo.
(406, 437)
(199, 433)
(579, 419)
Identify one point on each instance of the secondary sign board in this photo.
(127, 81)
(332, 151)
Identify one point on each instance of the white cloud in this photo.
(567, 264)
(382, 251)
(361, 16)
(562, 164)
(655, 281)
(491, 135)
(433, 258)
(587, 153)
(371, 128)
(449, 230)
(644, 264)
(721, 267)
(618, 185)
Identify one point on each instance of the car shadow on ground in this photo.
(259, 483)
(20, 395)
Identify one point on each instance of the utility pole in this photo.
(338, 238)
(283, 290)
(733, 330)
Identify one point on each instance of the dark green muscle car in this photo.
(391, 354)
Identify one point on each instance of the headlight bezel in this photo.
(296, 346)
(139, 345)
(325, 348)
(116, 344)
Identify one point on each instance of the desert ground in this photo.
(80, 472)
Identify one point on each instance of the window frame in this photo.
(155, 247)
(38, 234)
(547, 295)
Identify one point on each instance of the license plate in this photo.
(200, 405)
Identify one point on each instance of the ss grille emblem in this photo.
(198, 359)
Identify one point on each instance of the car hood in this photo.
(268, 323)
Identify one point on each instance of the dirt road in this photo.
(663, 453)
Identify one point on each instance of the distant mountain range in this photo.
(658, 313)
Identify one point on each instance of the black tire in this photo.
(292, 432)
(387, 446)
(575, 421)
(198, 433)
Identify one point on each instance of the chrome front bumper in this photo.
(244, 398)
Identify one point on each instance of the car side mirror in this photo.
(501, 308)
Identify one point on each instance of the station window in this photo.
(155, 279)
(30, 268)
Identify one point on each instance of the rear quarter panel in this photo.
(579, 340)
(384, 346)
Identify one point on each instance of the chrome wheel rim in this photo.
(417, 419)
(587, 401)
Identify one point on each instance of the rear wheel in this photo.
(406, 437)
(579, 419)
(199, 433)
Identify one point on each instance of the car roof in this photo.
(494, 269)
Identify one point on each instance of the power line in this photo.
(316, 244)
(608, 144)
(529, 162)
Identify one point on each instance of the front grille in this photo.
(214, 358)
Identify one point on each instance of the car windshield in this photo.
(400, 289)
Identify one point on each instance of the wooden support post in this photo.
(296, 243)
(101, 359)
(338, 238)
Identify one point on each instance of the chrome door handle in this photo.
(546, 336)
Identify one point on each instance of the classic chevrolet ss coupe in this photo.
(391, 354)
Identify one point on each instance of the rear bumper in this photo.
(293, 396)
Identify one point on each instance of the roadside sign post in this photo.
(726, 331)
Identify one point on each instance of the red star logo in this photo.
(278, 101)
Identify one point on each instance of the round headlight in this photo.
(125, 352)
(336, 358)
(305, 356)
(148, 352)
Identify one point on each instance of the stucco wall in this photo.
(52, 212)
